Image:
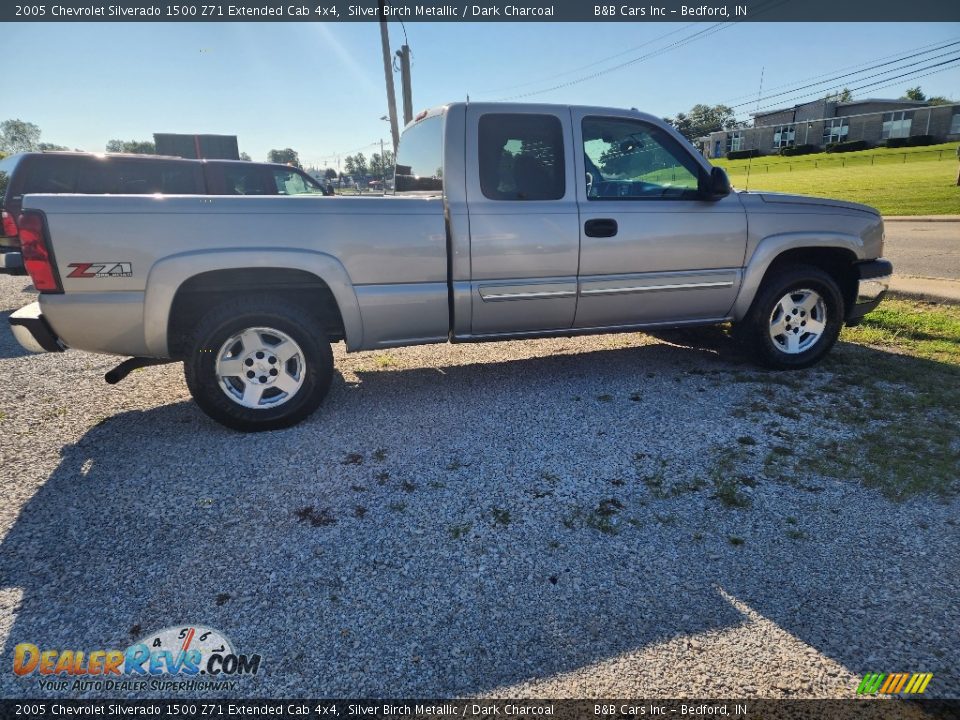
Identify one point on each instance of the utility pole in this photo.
(383, 169)
(388, 75)
(404, 54)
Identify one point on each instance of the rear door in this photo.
(652, 249)
(524, 230)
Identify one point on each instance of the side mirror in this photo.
(714, 185)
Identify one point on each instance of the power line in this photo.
(858, 72)
(913, 74)
(699, 35)
(930, 48)
(581, 68)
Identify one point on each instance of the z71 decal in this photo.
(101, 270)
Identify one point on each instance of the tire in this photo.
(794, 320)
(258, 364)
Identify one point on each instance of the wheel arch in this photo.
(174, 286)
(834, 253)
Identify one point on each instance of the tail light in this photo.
(9, 224)
(37, 258)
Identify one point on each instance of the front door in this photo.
(652, 250)
(524, 228)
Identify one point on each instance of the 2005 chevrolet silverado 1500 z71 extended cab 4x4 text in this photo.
(508, 221)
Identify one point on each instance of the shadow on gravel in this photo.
(158, 518)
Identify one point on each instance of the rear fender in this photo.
(167, 275)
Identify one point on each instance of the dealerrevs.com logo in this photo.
(188, 657)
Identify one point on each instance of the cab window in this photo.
(633, 160)
(521, 157)
(292, 182)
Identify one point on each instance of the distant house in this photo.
(822, 122)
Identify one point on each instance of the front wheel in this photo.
(795, 319)
(259, 364)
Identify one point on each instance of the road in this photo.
(924, 249)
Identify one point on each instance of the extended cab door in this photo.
(652, 249)
(524, 228)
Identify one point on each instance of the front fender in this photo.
(772, 246)
(167, 275)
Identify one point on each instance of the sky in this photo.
(319, 88)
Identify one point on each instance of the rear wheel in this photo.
(260, 364)
(795, 319)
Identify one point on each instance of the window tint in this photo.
(98, 176)
(240, 179)
(420, 157)
(291, 182)
(629, 159)
(51, 174)
(521, 157)
(6, 173)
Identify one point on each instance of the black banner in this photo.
(477, 709)
(482, 11)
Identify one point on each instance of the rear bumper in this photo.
(872, 285)
(11, 263)
(33, 332)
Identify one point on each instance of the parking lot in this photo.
(619, 516)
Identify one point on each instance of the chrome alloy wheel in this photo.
(798, 321)
(260, 367)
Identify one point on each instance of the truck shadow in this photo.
(429, 533)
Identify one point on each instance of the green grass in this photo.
(880, 178)
(899, 386)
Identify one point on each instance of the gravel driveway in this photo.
(573, 517)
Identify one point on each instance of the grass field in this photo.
(901, 181)
(904, 401)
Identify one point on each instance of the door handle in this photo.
(601, 227)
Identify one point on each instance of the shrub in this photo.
(915, 140)
(742, 154)
(895, 142)
(848, 146)
(799, 150)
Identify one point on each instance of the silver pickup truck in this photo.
(507, 221)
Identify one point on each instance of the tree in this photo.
(914, 93)
(382, 166)
(703, 120)
(360, 164)
(349, 165)
(142, 147)
(51, 146)
(939, 100)
(18, 136)
(244, 156)
(845, 95)
(285, 156)
(330, 174)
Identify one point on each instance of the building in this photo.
(825, 121)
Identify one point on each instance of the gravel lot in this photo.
(545, 518)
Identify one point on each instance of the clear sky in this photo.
(319, 88)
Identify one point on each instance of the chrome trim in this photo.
(872, 288)
(647, 288)
(592, 330)
(528, 295)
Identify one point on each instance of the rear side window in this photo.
(242, 179)
(109, 176)
(146, 177)
(420, 158)
(50, 174)
(7, 166)
(521, 157)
